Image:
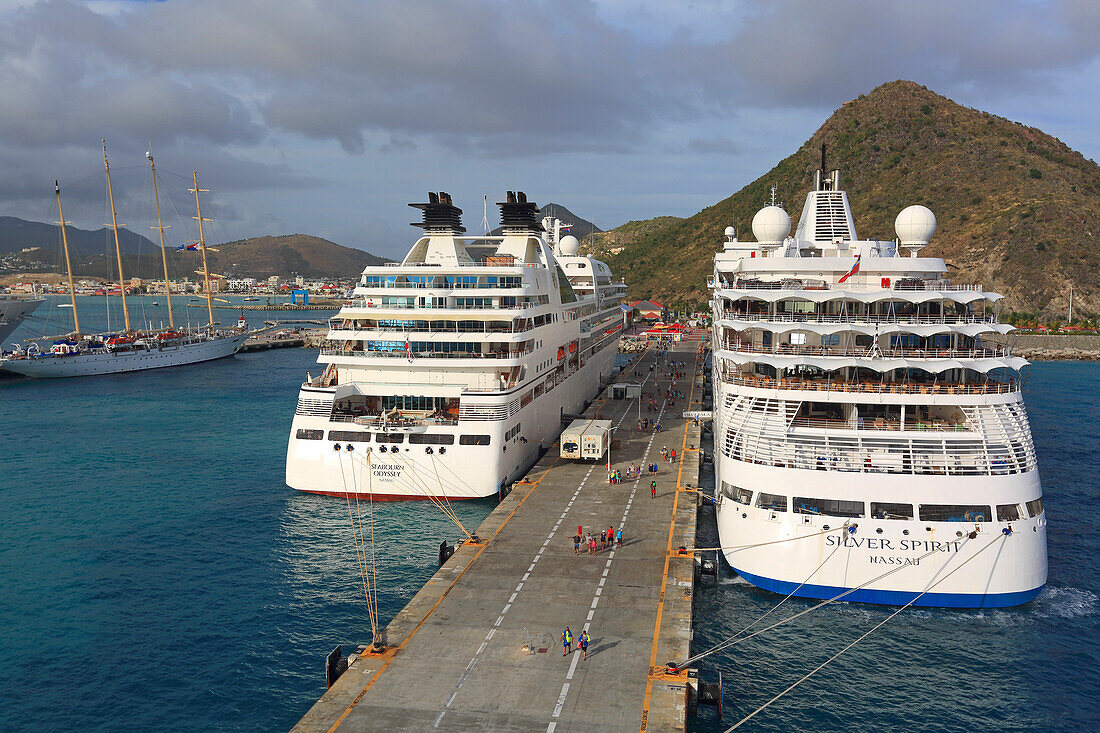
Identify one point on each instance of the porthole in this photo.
(878, 530)
(744, 516)
(826, 528)
(905, 532)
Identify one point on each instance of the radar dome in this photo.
(569, 245)
(729, 232)
(915, 225)
(771, 224)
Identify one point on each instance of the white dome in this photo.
(771, 224)
(569, 245)
(729, 232)
(915, 225)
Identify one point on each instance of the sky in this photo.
(328, 117)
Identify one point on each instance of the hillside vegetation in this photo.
(1018, 210)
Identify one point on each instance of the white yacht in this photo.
(449, 373)
(870, 434)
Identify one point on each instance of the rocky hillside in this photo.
(259, 257)
(1018, 210)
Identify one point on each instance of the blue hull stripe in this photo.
(895, 597)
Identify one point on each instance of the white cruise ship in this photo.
(870, 434)
(13, 311)
(450, 372)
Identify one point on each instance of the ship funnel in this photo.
(440, 216)
(517, 214)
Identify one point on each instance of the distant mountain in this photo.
(92, 253)
(17, 234)
(1018, 210)
(581, 227)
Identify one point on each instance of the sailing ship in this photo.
(79, 354)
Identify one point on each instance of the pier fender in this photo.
(445, 552)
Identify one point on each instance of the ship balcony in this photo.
(939, 387)
(402, 421)
(376, 306)
(338, 331)
(866, 352)
(858, 319)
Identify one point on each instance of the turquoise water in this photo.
(1032, 668)
(156, 574)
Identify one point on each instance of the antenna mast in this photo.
(163, 254)
(485, 215)
(202, 246)
(68, 266)
(118, 248)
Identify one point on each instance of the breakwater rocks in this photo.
(631, 344)
(1056, 347)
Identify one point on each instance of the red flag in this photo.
(853, 271)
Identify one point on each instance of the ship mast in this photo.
(163, 254)
(68, 265)
(202, 245)
(118, 247)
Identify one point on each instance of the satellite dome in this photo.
(915, 225)
(569, 245)
(771, 224)
(729, 232)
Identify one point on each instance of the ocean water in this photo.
(1032, 668)
(157, 574)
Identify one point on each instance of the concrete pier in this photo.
(478, 648)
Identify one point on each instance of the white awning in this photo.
(923, 329)
(877, 364)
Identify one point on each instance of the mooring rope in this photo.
(870, 631)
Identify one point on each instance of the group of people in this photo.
(634, 470)
(608, 538)
(668, 455)
(582, 642)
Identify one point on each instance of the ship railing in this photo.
(439, 286)
(362, 303)
(340, 330)
(938, 388)
(868, 353)
(402, 354)
(938, 285)
(374, 421)
(879, 424)
(855, 318)
(474, 263)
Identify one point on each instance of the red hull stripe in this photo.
(388, 497)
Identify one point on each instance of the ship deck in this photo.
(478, 647)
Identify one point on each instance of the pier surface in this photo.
(478, 648)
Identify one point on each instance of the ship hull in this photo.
(49, 366)
(462, 471)
(883, 561)
(13, 311)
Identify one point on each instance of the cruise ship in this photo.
(870, 435)
(450, 372)
(13, 311)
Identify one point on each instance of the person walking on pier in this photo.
(566, 641)
(583, 642)
(652, 489)
(576, 544)
(619, 537)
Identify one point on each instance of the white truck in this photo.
(586, 439)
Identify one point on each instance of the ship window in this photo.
(474, 440)
(1035, 507)
(774, 502)
(827, 507)
(391, 437)
(431, 439)
(348, 436)
(830, 339)
(886, 510)
(954, 513)
(798, 339)
(304, 434)
(1008, 512)
(744, 496)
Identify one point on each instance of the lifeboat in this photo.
(120, 340)
(561, 353)
(573, 348)
(169, 335)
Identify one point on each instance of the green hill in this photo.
(1018, 210)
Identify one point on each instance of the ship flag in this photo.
(853, 271)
